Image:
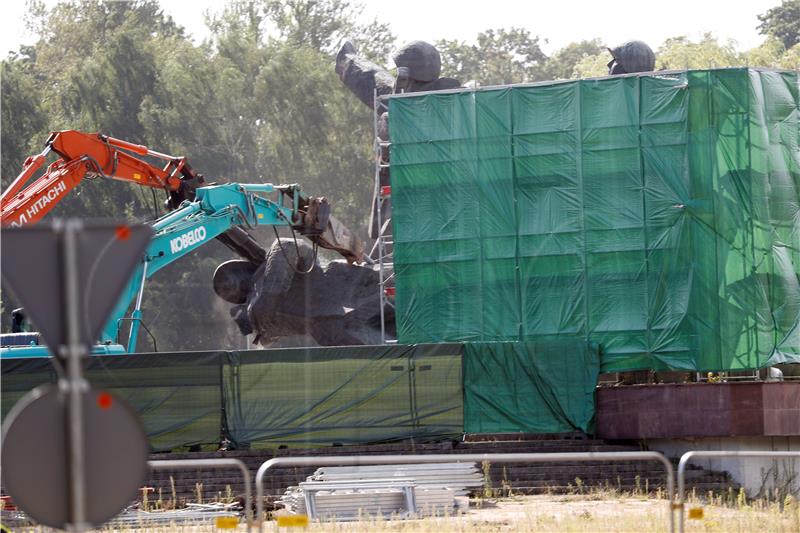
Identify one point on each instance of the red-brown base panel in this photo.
(699, 410)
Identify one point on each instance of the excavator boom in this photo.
(90, 155)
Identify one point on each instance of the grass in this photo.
(585, 510)
(592, 510)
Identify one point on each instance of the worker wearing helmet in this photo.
(631, 57)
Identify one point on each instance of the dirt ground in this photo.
(585, 513)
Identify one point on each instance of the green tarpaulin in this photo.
(177, 395)
(257, 398)
(656, 216)
(343, 395)
(530, 387)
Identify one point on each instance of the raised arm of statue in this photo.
(361, 75)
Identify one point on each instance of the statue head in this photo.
(420, 58)
(631, 57)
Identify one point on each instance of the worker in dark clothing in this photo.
(631, 57)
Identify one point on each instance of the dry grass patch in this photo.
(589, 512)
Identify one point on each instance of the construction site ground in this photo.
(589, 512)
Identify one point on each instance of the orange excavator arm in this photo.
(90, 155)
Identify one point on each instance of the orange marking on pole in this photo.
(105, 400)
(122, 232)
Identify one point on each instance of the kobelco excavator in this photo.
(89, 156)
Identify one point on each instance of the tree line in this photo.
(258, 101)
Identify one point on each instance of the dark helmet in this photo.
(630, 57)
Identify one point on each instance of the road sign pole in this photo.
(69, 276)
(75, 385)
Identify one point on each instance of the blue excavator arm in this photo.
(221, 212)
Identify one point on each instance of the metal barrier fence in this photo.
(686, 457)
(470, 458)
(179, 464)
(466, 457)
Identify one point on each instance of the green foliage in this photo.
(791, 58)
(21, 114)
(498, 57)
(21, 120)
(591, 66)
(681, 53)
(562, 64)
(586, 59)
(769, 54)
(317, 134)
(245, 106)
(310, 22)
(782, 22)
(514, 56)
(589, 58)
(324, 25)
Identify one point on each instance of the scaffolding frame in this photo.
(384, 242)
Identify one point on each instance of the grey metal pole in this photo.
(686, 457)
(178, 464)
(74, 385)
(133, 334)
(378, 200)
(465, 458)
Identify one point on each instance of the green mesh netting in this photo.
(346, 395)
(343, 395)
(657, 216)
(297, 397)
(177, 395)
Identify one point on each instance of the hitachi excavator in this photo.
(199, 215)
(89, 156)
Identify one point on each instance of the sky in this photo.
(559, 22)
